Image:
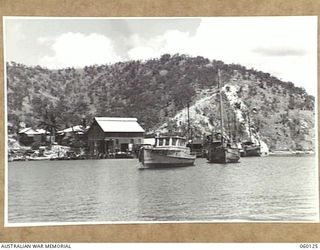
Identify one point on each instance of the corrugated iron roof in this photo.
(24, 130)
(119, 124)
(77, 128)
(31, 131)
(42, 131)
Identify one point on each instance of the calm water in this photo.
(257, 189)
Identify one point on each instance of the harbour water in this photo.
(114, 190)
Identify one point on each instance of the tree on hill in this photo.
(49, 123)
(152, 91)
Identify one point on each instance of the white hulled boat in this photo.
(168, 151)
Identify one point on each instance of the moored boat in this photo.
(168, 151)
(123, 155)
(220, 150)
(250, 149)
(38, 158)
(254, 146)
(197, 148)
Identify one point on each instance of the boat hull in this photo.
(223, 155)
(153, 158)
(251, 151)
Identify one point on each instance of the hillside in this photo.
(158, 91)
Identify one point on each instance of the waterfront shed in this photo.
(113, 134)
(76, 133)
(27, 136)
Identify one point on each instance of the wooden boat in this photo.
(221, 150)
(250, 148)
(168, 151)
(196, 147)
(123, 155)
(38, 158)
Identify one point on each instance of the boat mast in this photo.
(189, 129)
(188, 122)
(229, 129)
(249, 124)
(235, 127)
(221, 107)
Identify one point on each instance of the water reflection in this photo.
(257, 189)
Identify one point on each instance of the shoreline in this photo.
(291, 153)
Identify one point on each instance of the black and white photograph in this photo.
(160, 120)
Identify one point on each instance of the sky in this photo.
(285, 47)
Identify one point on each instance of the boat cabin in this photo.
(170, 141)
